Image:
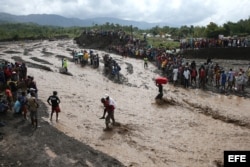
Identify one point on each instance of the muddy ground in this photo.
(21, 145)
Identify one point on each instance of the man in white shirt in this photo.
(175, 74)
(186, 74)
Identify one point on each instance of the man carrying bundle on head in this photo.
(160, 95)
(159, 81)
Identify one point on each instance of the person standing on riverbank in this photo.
(186, 75)
(33, 106)
(9, 97)
(202, 77)
(54, 101)
(230, 78)
(23, 102)
(248, 74)
(175, 75)
(223, 81)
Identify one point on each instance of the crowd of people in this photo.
(175, 67)
(20, 93)
(84, 57)
(197, 43)
(181, 72)
(111, 66)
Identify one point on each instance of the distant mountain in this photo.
(56, 20)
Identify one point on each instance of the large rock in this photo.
(98, 41)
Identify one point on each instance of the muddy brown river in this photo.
(190, 128)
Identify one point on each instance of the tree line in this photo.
(212, 30)
(26, 31)
(21, 31)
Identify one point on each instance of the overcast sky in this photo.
(176, 12)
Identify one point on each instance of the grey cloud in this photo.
(186, 13)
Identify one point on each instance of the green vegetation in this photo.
(162, 43)
(212, 30)
(20, 31)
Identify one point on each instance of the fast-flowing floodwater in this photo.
(190, 128)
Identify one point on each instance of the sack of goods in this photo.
(161, 80)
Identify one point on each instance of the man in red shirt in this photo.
(9, 97)
(109, 105)
(202, 76)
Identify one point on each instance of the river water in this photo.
(190, 128)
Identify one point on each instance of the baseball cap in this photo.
(106, 95)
